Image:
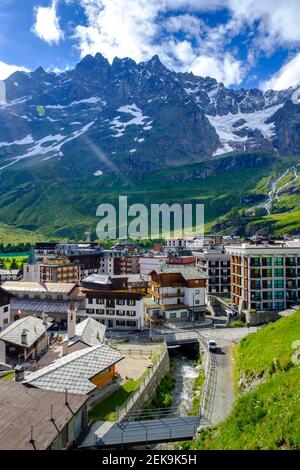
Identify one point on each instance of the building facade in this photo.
(215, 262)
(178, 292)
(4, 309)
(265, 277)
(112, 301)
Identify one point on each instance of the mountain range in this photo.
(69, 141)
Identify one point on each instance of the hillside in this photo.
(268, 416)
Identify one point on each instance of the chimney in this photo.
(19, 373)
(71, 320)
(45, 319)
(24, 337)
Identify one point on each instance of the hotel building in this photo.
(265, 277)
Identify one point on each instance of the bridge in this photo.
(178, 339)
(145, 432)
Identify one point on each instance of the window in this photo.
(279, 294)
(197, 302)
(5, 321)
(278, 261)
(132, 313)
(131, 302)
(5, 309)
(100, 311)
(278, 272)
(183, 314)
(120, 312)
(120, 323)
(90, 310)
(100, 301)
(120, 302)
(197, 291)
(110, 312)
(278, 283)
(131, 323)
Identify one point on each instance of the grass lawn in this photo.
(106, 410)
(256, 353)
(8, 376)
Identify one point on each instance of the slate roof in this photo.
(39, 306)
(90, 332)
(24, 286)
(34, 327)
(74, 371)
(187, 272)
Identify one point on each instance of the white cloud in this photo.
(226, 70)
(138, 29)
(46, 25)
(279, 19)
(7, 69)
(141, 28)
(288, 75)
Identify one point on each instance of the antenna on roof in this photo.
(32, 435)
(66, 398)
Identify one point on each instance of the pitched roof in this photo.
(21, 408)
(74, 371)
(90, 332)
(33, 326)
(102, 279)
(24, 286)
(187, 272)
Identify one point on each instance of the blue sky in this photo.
(244, 43)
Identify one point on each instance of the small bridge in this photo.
(145, 432)
(178, 339)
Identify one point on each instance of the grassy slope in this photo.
(268, 417)
(67, 205)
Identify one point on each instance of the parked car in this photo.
(212, 345)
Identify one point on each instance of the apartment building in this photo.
(179, 244)
(54, 270)
(126, 264)
(115, 301)
(4, 309)
(87, 255)
(265, 277)
(179, 292)
(215, 262)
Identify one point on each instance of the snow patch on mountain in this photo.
(49, 151)
(138, 119)
(224, 126)
(26, 141)
(296, 96)
(92, 100)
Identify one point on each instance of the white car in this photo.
(212, 345)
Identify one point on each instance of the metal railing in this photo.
(122, 412)
(209, 388)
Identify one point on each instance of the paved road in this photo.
(224, 395)
(226, 336)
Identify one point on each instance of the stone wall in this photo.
(258, 318)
